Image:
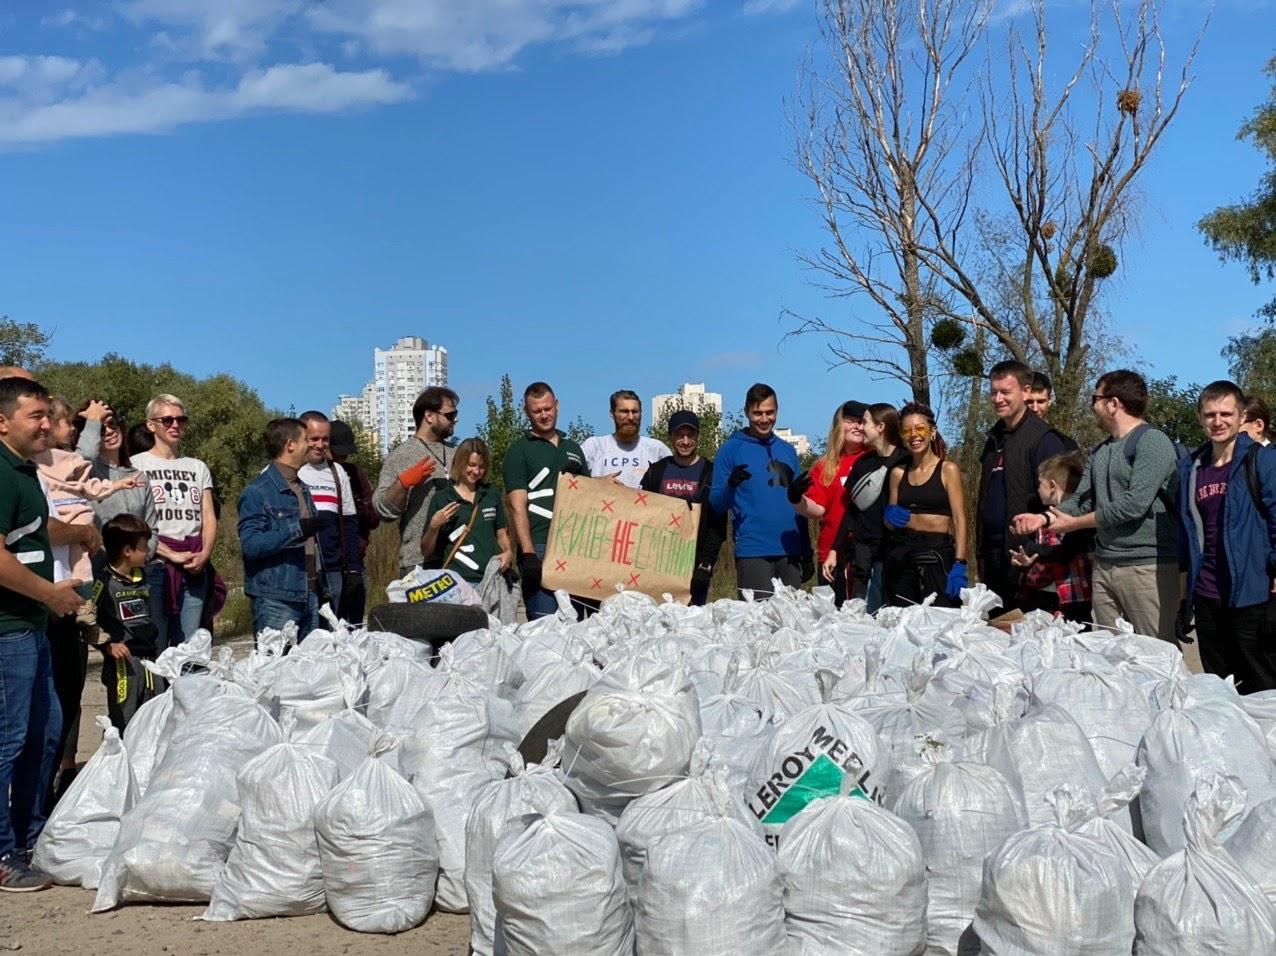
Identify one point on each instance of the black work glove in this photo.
(739, 475)
(310, 527)
(798, 487)
(1183, 622)
(700, 577)
(808, 567)
(572, 467)
(529, 569)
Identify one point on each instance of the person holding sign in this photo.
(531, 469)
(751, 478)
(465, 527)
(625, 454)
(686, 475)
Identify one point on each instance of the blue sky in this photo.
(596, 192)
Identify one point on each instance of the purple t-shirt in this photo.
(1211, 489)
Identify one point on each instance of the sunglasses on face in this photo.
(168, 421)
(920, 430)
(450, 416)
(1096, 398)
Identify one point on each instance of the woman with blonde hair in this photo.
(817, 494)
(465, 526)
(926, 550)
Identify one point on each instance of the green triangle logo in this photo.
(822, 779)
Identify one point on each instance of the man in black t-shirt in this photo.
(686, 475)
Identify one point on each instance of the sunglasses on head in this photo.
(168, 421)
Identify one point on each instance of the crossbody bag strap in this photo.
(341, 516)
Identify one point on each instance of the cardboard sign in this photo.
(604, 534)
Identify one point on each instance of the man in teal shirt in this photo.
(531, 469)
(30, 718)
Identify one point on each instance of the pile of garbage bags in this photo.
(750, 777)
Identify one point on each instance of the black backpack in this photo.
(1132, 440)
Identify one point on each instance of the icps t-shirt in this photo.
(178, 486)
(606, 456)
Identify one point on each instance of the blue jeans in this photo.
(267, 612)
(541, 603)
(332, 582)
(874, 598)
(32, 721)
(173, 630)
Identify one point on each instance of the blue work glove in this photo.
(896, 516)
(956, 580)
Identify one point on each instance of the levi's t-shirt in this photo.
(178, 487)
(683, 482)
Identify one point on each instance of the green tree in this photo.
(502, 426)
(1246, 231)
(1172, 408)
(21, 343)
(714, 427)
(1251, 360)
(578, 430)
(367, 454)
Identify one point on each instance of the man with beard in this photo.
(625, 454)
(417, 468)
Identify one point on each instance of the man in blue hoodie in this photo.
(1227, 524)
(751, 476)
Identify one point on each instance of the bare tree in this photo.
(894, 159)
(881, 139)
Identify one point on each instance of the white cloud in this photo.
(37, 71)
(155, 107)
(488, 34)
(758, 7)
(234, 29)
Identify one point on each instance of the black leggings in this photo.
(1239, 641)
(916, 566)
(70, 657)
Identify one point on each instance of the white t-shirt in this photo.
(606, 456)
(178, 487)
(318, 479)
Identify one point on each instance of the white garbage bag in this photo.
(175, 839)
(84, 825)
(631, 734)
(1051, 889)
(395, 679)
(343, 738)
(1110, 708)
(377, 849)
(1037, 749)
(312, 687)
(1198, 902)
(1097, 821)
(809, 757)
(532, 789)
(671, 808)
(960, 812)
(1186, 740)
(1253, 846)
(558, 889)
(854, 881)
(712, 887)
(142, 738)
(273, 868)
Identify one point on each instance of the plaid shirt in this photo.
(1071, 579)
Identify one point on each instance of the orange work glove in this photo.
(411, 477)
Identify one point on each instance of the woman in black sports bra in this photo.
(926, 548)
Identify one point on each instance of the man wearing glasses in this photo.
(417, 468)
(1128, 492)
(751, 476)
(181, 487)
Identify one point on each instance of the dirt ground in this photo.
(57, 921)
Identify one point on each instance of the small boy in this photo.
(123, 614)
(1058, 568)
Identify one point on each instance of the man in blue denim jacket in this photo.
(1227, 524)
(277, 528)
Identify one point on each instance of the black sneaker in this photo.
(17, 877)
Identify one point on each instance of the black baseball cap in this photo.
(683, 419)
(853, 409)
(341, 441)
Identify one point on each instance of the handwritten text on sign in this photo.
(604, 534)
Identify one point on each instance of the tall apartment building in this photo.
(690, 396)
(399, 374)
